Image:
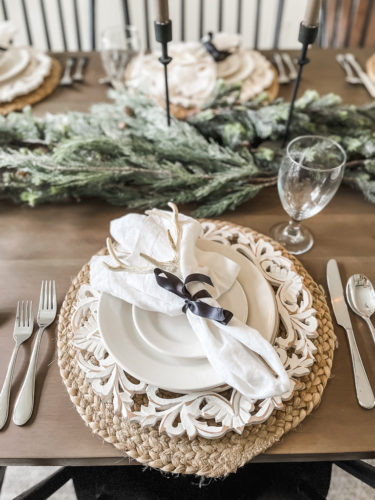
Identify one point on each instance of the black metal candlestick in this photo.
(163, 35)
(307, 35)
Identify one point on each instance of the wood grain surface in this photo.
(54, 241)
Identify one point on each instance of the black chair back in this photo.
(343, 22)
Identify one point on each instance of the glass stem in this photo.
(293, 230)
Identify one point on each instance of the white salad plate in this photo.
(173, 335)
(13, 62)
(175, 373)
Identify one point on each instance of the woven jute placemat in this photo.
(48, 86)
(211, 458)
(182, 113)
(370, 67)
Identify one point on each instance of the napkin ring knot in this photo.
(173, 284)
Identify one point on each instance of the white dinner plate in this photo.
(14, 61)
(229, 66)
(178, 374)
(247, 65)
(173, 335)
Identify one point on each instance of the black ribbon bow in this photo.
(173, 284)
(218, 55)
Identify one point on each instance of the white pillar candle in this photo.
(311, 17)
(162, 11)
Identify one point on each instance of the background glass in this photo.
(119, 44)
(309, 176)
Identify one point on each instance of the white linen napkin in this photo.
(7, 32)
(243, 358)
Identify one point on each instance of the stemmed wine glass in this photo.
(309, 176)
(119, 44)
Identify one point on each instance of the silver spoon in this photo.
(360, 295)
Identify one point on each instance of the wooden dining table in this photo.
(53, 241)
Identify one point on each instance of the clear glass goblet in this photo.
(119, 44)
(309, 176)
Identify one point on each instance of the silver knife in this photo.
(364, 392)
(362, 75)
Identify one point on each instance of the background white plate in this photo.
(173, 373)
(14, 61)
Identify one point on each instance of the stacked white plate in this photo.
(164, 351)
(22, 70)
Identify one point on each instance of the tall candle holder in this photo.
(163, 35)
(307, 36)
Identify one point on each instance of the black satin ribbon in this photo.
(174, 285)
(218, 55)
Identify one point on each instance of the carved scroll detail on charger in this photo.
(213, 413)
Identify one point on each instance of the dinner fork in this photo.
(78, 73)
(46, 315)
(67, 80)
(350, 78)
(283, 78)
(23, 328)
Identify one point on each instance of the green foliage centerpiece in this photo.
(124, 152)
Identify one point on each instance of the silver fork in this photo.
(46, 315)
(349, 75)
(23, 328)
(78, 73)
(288, 61)
(67, 80)
(283, 78)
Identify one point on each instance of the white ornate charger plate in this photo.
(210, 414)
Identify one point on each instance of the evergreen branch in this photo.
(124, 153)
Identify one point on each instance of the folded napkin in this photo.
(242, 357)
(7, 32)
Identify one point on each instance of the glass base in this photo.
(293, 236)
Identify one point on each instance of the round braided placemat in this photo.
(48, 86)
(182, 113)
(211, 458)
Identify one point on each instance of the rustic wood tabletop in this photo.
(54, 241)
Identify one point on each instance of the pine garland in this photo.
(125, 153)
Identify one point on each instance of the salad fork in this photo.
(46, 315)
(288, 61)
(23, 328)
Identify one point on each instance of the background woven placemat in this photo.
(182, 113)
(48, 86)
(211, 458)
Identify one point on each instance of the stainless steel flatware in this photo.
(67, 80)
(23, 328)
(80, 66)
(46, 315)
(283, 78)
(360, 295)
(364, 392)
(105, 80)
(350, 78)
(290, 65)
(361, 74)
